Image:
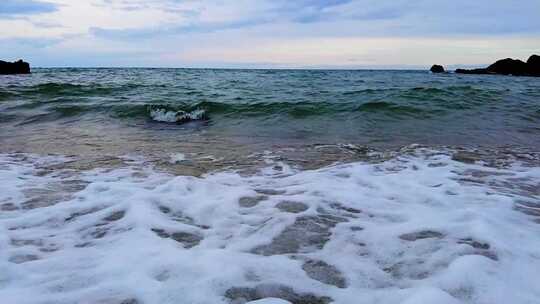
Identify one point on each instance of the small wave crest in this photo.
(166, 115)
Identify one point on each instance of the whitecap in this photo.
(177, 158)
(163, 115)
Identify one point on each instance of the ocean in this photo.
(132, 186)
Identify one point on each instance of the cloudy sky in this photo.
(268, 33)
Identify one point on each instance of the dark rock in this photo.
(437, 69)
(509, 66)
(533, 64)
(10, 68)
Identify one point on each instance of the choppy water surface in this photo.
(116, 111)
(131, 186)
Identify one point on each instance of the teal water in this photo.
(167, 186)
(126, 110)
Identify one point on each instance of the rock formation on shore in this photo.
(509, 66)
(534, 65)
(437, 69)
(18, 67)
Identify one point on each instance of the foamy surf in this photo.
(175, 158)
(164, 115)
(417, 228)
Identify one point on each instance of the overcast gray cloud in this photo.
(273, 32)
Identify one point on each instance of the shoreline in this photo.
(401, 227)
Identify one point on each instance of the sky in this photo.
(268, 33)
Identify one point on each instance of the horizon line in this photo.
(374, 68)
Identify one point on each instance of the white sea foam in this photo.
(177, 158)
(414, 229)
(193, 115)
(164, 115)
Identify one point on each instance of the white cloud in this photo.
(277, 33)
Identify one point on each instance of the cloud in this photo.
(33, 43)
(334, 17)
(171, 6)
(149, 33)
(271, 32)
(11, 8)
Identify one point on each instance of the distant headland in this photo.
(17, 67)
(506, 66)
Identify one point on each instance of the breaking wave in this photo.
(164, 115)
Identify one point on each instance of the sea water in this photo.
(268, 186)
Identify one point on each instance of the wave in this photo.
(383, 105)
(157, 102)
(184, 112)
(57, 89)
(418, 226)
(203, 110)
(300, 110)
(104, 88)
(68, 89)
(163, 115)
(4, 95)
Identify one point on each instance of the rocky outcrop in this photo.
(437, 69)
(534, 65)
(18, 67)
(509, 66)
